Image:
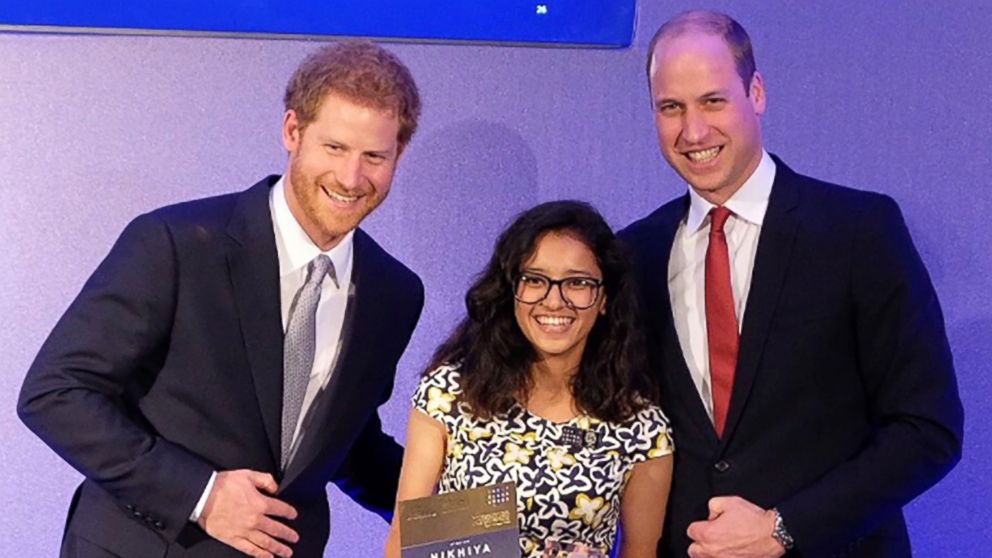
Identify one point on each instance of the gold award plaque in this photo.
(463, 524)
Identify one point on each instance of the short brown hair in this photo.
(361, 72)
(714, 23)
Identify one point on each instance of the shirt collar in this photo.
(295, 248)
(750, 202)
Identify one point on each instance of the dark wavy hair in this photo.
(495, 357)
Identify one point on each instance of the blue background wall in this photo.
(95, 129)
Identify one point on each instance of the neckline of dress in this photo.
(577, 418)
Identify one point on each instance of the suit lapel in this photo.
(678, 379)
(771, 261)
(329, 421)
(254, 268)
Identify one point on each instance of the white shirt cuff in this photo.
(195, 516)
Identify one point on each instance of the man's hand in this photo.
(736, 529)
(238, 514)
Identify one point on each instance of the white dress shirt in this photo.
(687, 267)
(295, 250)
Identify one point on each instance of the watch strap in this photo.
(781, 534)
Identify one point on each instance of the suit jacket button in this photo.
(721, 466)
(137, 514)
(159, 525)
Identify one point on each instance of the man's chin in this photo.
(699, 181)
(706, 184)
(339, 227)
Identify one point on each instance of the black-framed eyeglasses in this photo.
(577, 292)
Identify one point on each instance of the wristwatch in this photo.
(781, 534)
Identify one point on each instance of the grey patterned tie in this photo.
(298, 349)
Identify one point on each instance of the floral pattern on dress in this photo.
(565, 493)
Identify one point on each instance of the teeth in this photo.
(554, 320)
(704, 155)
(339, 197)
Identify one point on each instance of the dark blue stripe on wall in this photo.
(607, 23)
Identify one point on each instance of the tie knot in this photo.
(318, 268)
(718, 218)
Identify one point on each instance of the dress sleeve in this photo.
(438, 395)
(652, 426)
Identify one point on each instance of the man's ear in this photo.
(292, 132)
(757, 93)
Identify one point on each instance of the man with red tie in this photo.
(795, 334)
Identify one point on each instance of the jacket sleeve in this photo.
(370, 474)
(908, 376)
(82, 394)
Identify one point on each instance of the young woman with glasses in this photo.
(544, 384)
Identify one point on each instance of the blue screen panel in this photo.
(605, 23)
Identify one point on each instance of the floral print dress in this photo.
(568, 489)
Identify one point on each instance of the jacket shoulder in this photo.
(647, 227)
(208, 218)
(387, 264)
(827, 196)
(212, 212)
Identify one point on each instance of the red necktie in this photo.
(721, 321)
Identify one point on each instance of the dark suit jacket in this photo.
(845, 405)
(168, 366)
